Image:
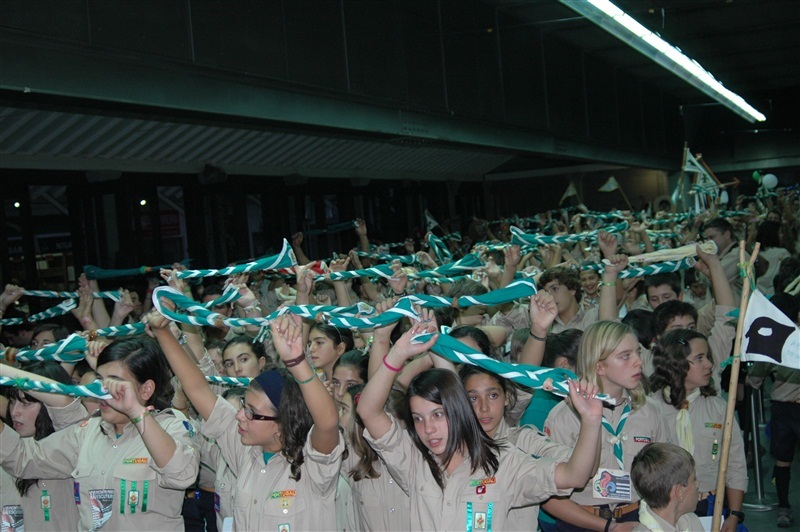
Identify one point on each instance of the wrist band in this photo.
(401, 294)
(396, 370)
(539, 338)
(295, 361)
(603, 283)
(608, 525)
(140, 418)
(311, 378)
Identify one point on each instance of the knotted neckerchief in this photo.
(617, 437)
(646, 518)
(683, 423)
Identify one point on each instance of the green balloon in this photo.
(757, 176)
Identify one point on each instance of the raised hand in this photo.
(543, 311)
(123, 397)
(616, 263)
(607, 243)
(287, 336)
(513, 256)
(583, 398)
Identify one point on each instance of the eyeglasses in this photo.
(252, 416)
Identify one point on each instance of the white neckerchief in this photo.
(683, 423)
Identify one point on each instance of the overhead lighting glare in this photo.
(627, 29)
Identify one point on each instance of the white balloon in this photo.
(769, 181)
(723, 198)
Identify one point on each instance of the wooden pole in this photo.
(716, 521)
(630, 207)
(680, 181)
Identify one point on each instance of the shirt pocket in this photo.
(223, 497)
(279, 507)
(136, 481)
(482, 510)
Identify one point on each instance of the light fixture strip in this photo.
(612, 19)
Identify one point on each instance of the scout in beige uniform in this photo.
(608, 356)
(380, 503)
(664, 476)
(456, 476)
(130, 466)
(283, 444)
(490, 395)
(44, 504)
(695, 416)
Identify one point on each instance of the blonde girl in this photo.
(608, 356)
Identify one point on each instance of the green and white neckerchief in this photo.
(617, 437)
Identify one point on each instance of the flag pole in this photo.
(630, 207)
(680, 182)
(734, 383)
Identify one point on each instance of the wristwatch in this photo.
(738, 514)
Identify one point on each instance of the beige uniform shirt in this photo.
(537, 444)
(214, 472)
(643, 426)
(62, 513)
(707, 415)
(519, 317)
(470, 500)
(581, 321)
(265, 497)
(117, 484)
(380, 503)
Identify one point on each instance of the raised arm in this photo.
(710, 265)
(159, 443)
(381, 337)
(610, 297)
(288, 339)
(340, 287)
(363, 239)
(50, 399)
(375, 394)
(297, 247)
(543, 311)
(581, 465)
(193, 382)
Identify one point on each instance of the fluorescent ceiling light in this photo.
(627, 29)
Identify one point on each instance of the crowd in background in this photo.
(369, 429)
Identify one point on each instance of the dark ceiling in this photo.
(752, 47)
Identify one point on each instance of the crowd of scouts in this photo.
(368, 429)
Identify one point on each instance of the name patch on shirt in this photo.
(483, 481)
(284, 493)
(642, 439)
(713, 425)
(142, 460)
